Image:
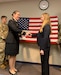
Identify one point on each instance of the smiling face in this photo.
(16, 15)
(42, 18)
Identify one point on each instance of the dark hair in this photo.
(3, 17)
(15, 12)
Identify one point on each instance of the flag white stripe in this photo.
(35, 39)
(53, 19)
(54, 31)
(33, 31)
(35, 20)
(39, 20)
(54, 23)
(34, 28)
(53, 40)
(54, 27)
(53, 36)
(36, 24)
(39, 28)
(32, 39)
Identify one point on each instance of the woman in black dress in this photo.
(12, 41)
(43, 40)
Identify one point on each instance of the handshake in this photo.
(26, 34)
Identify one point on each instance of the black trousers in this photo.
(45, 62)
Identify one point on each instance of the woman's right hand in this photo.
(42, 52)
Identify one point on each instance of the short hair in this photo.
(3, 17)
(15, 12)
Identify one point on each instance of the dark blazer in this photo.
(13, 32)
(43, 39)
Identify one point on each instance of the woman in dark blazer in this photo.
(12, 41)
(43, 40)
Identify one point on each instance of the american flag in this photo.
(33, 26)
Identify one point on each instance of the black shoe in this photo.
(13, 74)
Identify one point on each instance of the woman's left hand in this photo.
(42, 52)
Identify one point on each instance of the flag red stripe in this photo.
(34, 25)
(53, 33)
(38, 29)
(34, 22)
(40, 25)
(55, 29)
(54, 37)
(53, 17)
(54, 21)
(35, 42)
(54, 25)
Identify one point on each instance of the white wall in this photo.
(29, 8)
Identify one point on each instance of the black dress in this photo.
(12, 41)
